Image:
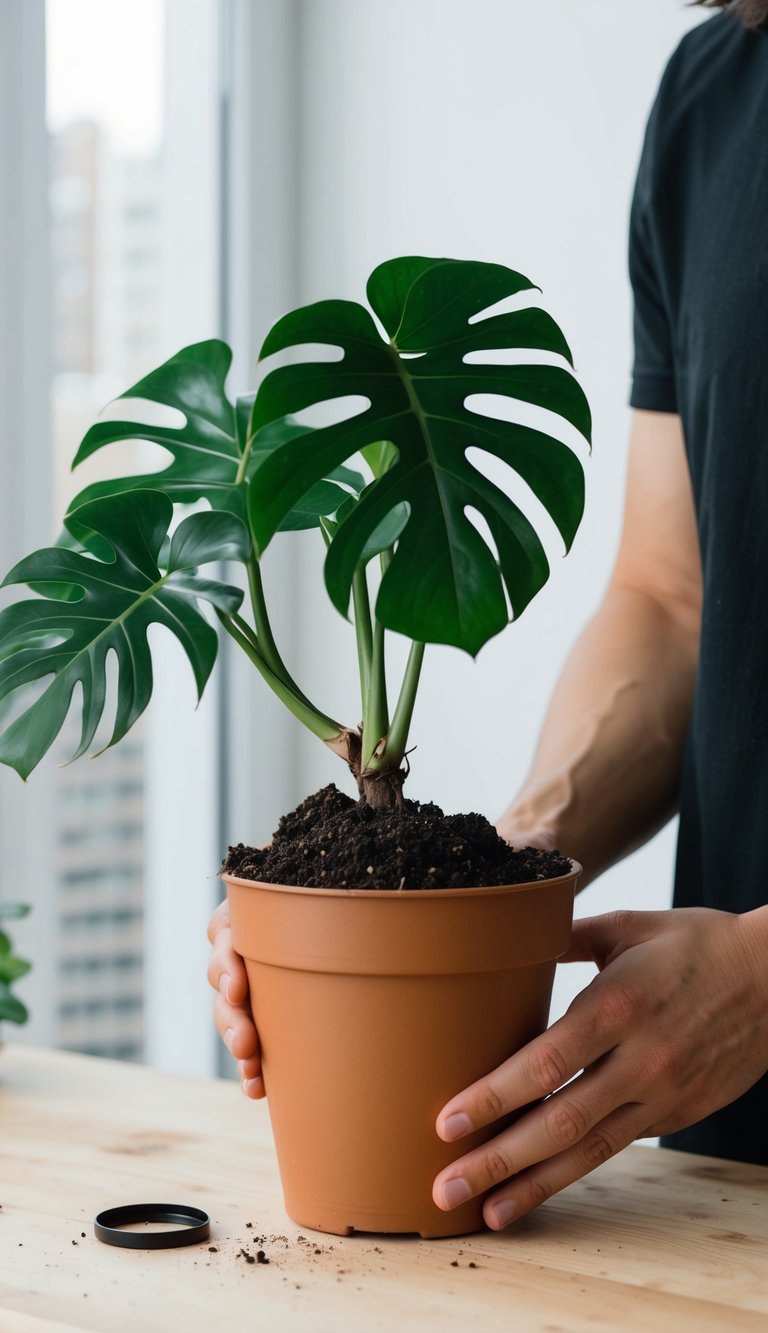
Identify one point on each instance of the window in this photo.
(105, 848)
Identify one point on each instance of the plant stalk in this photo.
(328, 730)
(397, 739)
(375, 712)
(267, 645)
(363, 629)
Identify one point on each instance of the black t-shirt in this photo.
(699, 269)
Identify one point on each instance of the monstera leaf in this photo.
(207, 449)
(91, 607)
(444, 583)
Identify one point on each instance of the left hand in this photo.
(674, 1027)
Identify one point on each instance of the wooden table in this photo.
(653, 1240)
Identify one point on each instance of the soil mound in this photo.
(332, 842)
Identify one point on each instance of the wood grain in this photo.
(653, 1240)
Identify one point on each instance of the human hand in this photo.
(231, 1013)
(674, 1027)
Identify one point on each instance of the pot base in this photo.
(466, 1221)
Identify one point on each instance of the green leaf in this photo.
(379, 456)
(13, 911)
(12, 968)
(119, 600)
(11, 1009)
(206, 451)
(445, 584)
(322, 499)
(383, 536)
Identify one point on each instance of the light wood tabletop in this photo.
(652, 1240)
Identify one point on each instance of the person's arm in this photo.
(675, 1025)
(605, 774)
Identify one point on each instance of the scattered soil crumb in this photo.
(212, 1249)
(82, 1233)
(472, 1264)
(249, 1224)
(454, 1263)
(74, 1242)
(412, 847)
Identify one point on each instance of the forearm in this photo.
(606, 771)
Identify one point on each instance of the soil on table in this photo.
(331, 841)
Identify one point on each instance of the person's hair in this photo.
(753, 13)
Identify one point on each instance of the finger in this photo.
(236, 1028)
(254, 1088)
(226, 969)
(250, 1068)
(251, 1077)
(534, 1186)
(596, 938)
(537, 1070)
(220, 918)
(543, 1132)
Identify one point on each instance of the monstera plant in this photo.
(123, 565)
(371, 1012)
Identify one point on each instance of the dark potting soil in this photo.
(330, 841)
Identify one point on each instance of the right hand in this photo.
(231, 1010)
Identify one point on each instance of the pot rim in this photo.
(476, 890)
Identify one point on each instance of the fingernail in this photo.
(456, 1126)
(253, 1087)
(229, 1037)
(502, 1213)
(224, 984)
(455, 1191)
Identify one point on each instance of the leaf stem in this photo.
(245, 457)
(318, 723)
(397, 739)
(264, 637)
(267, 645)
(375, 712)
(363, 629)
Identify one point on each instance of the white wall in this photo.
(508, 131)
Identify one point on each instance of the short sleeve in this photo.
(653, 374)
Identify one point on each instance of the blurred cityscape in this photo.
(106, 243)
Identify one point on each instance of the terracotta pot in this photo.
(373, 1009)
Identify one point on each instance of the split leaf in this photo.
(445, 583)
(118, 599)
(207, 449)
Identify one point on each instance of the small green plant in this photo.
(11, 967)
(388, 482)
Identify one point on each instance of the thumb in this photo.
(599, 939)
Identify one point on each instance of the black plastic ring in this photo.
(194, 1223)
